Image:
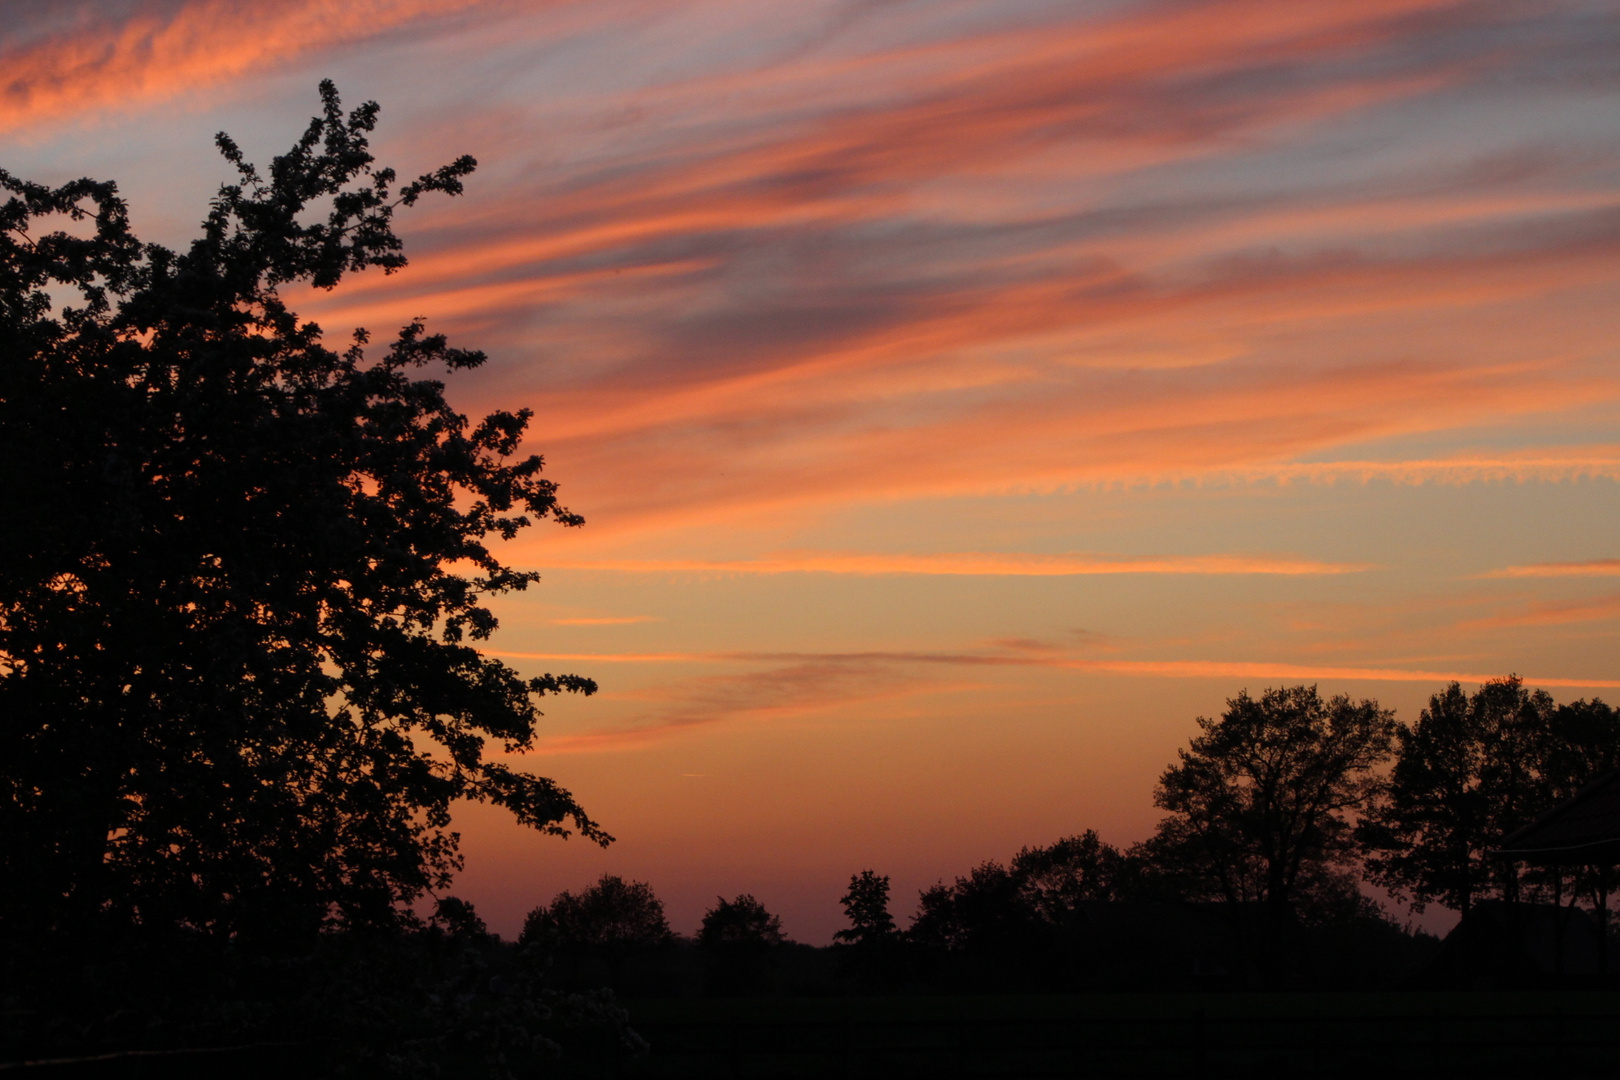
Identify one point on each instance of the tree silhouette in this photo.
(457, 918)
(985, 911)
(1257, 804)
(1054, 880)
(612, 917)
(741, 941)
(866, 905)
(243, 575)
(1471, 770)
(739, 923)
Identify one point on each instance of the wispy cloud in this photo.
(1551, 614)
(612, 658)
(807, 686)
(1593, 463)
(1588, 568)
(1053, 249)
(795, 684)
(967, 251)
(1009, 564)
(166, 48)
(606, 620)
(1206, 669)
(1019, 654)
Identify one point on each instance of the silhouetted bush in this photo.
(613, 933)
(741, 941)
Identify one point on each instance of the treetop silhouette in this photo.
(1259, 803)
(743, 923)
(614, 916)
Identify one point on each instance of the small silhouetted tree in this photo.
(866, 905)
(1016, 926)
(741, 923)
(1472, 770)
(998, 906)
(1260, 801)
(244, 575)
(872, 946)
(983, 911)
(1054, 880)
(740, 938)
(614, 917)
(457, 918)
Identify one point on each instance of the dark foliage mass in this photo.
(442, 999)
(243, 574)
(1472, 770)
(613, 916)
(1258, 802)
(1277, 812)
(742, 942)
(742, 923)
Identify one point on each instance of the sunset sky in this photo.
(962, 395)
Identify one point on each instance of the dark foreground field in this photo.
(1364, 1036)
(1133, 1035)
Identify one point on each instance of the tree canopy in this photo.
(244, 575)
(1258, 802)
(866, 905)
(743, 923)
(1472, 770)
(613, 916)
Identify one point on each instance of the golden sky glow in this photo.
(963, 395)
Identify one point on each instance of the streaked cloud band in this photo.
(969, 564)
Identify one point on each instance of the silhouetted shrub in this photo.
(740, 939)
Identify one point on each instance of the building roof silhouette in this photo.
(1584, 829)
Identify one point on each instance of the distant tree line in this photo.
(1279, 816)
(1283, 816)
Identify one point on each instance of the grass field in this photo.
(1134, 1035)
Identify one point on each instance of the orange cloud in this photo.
(1551, 614)
(1589, 568)
(923, 270)
(611, 658)
(1011, 564)
(163, 51)
(1005, 260)
(1601, 463)
(607, 620)
(804, 683)
(1205, 669)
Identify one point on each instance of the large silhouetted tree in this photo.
(243, 575)
(1258, 804)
